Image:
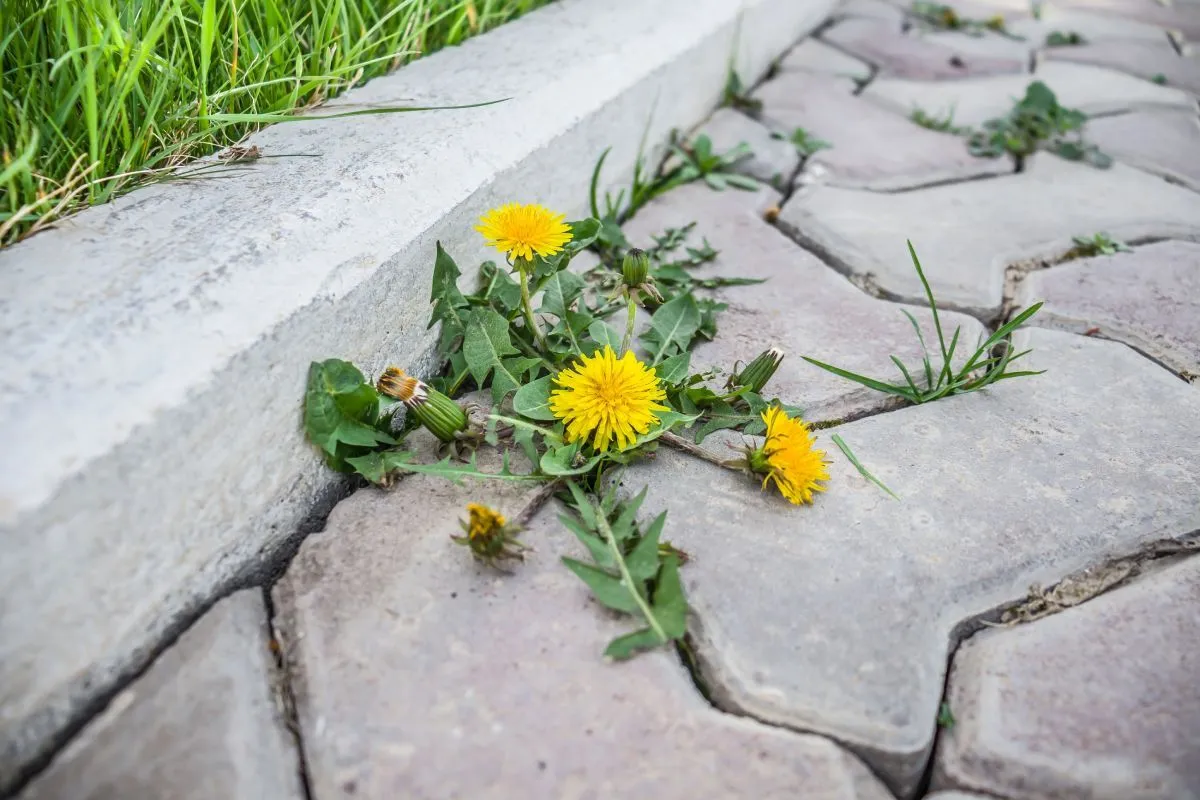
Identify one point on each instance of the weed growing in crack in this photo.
(943, 123)
(987, 365)
(945, 717)
(1067, 39)
(1037, 122)
(804, 141)
(1100, 244)
(936, 16)
(737, 95)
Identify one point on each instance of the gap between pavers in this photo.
(155, 348)
(419, 673)
(967, 234)
(901, 55)
(838, 618)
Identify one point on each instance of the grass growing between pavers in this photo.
(102, 96)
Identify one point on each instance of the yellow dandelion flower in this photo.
(489, 536)
(610, 397)
(788, 457)
(522, 230)
(483, 522)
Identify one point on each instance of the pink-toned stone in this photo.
(902, 56)
(1143, 59)
(1183, 18)
(1166, 143)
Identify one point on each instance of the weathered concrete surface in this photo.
(883, 45)
(1091, 89)
(773, 161)
(989, 45)
(837, 618)
(1093, 27)
(1166, 143)
(205, 721)
(1099, 701)
(871, 9)
(1143, 59)
(967, 234)
(1185, 19)
(872, 148)
(813, 55)
(421, 675)
(1149, 299)
(184, 316)
(802, 303)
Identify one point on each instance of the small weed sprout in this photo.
(1100, 244)
(937, 16)
(989, 363)
(805, 143)
(942, 122)
(1067, 39)
(736, 95)
(1037, 122)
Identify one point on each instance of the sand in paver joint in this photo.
(829, 639)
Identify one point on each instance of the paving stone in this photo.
(1142, 59)
(837, 618)
(952, 795)
(990, 45)
(903, 56)
(802, 302)
(1166, 143)
(1099, 701)
(1093, 90)
(966, 234)
(813, 55)
(1149, 299)
(871, 9)
(872, 148)
(774, 160)
(1093, 27)
(1183, 19)
(421, 675)
(202, 722)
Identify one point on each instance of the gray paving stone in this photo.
(773, 162)
(1141, 59)
(990, 46)
(1091, 89)
(813, 55)
(1148, 299)
(1093, 27)
(873, 148)
(1166, 143)
(1099, 701)
(422, 675)
(203, 722)
(967, 234)
(903, 56)
(871, 9)
(802, 302)
(953, 795)
(1184, 19)
(836, 618)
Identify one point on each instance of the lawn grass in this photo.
(100, 96)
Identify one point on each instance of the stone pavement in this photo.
(1021, 624)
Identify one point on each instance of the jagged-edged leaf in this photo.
(675, 368)
(566, 460)
(456, 471)
(670, 606)
(559, 292)
(667, 420)
(533, 399)
(623, 526)
(604, 334)
(599, 550)
(485, 346)
(497, 286)
(449, 305)
(642, 562)
(341, 409)
(571, 331)
(720, 415)
(608, 589)
(672, 326)
(629, 645)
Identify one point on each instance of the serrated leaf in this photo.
(670, 606)
(449, 305)
(559, 292)
(596, 546)
(561, 461)
(533, 399)
(485, 345)
(499, 288)
(642, 561)
(341, 408)
(571, 330)
(672, 326)
(456, 471)
(721, 416)
(607, 588)
(603, 334)
(629, 645)
(623, 525)
(675, 368)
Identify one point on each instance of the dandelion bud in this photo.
(754, 376)
(489, 536)
(442, 416)
(635, 270)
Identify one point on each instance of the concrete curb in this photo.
(155, 349)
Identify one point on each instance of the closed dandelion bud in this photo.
(635, 269)
(489, 535)
(442, 416)
(754, 376)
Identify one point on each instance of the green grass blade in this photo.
(937, 322)
(870, 383)
(849, 454)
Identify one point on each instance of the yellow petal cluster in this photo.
(483, 522)
(789, 459)
(608, 398)
(519, 231)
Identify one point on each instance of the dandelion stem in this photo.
(527, 309)
(632, 317)
(680, 443)
(626, 578)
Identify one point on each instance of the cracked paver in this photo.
(966, 234)
(419, 674)
(202, 722)
(902, 56)
(803, 302)
(1098, 701)
(1148, 299)
(813, 55)
(773, 161)
(1140, 59)
(837, 618)
(871, 148)
(1166, 143)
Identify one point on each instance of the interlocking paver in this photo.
(836, 618)
(967, 234)
(872, 148)
(1183, 19)
(1148, 299)
(1166, 143)
(203, 722)
(989, 45)
(1093, 90)
(1099, 701)
(871, 9)
(803, 302)
(1092, 26)
(903, 56)
(421, 675)
(773, 161)
(1142, 59)
(813, 55)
